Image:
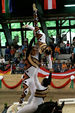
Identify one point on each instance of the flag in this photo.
(6, 6)
(3, 6)
(49, 4)
(8, 71)
(10, 6)
(0, 7)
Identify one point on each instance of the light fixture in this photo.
(70, 5)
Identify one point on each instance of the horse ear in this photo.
(62, 104)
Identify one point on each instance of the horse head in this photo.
(50, 107)
(57, 108)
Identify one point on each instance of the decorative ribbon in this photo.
(62, 86)
(44, 72)
(11, 87)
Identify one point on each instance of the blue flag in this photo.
(10, 6)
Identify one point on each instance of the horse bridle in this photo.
(53, 110)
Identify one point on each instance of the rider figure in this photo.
(30, 78)
(38, 98)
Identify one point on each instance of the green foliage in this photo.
(29, 34)
(17, 33)
(3, 39)
(52, 32)
(39, 25)
(0, 26)
(73, 23)
(64, 30)
(65, 23)
(73, 30)
(50, 23)
(15, 25)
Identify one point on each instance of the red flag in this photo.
(3, 6)
(49, 4)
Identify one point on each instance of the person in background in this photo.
(73, 67)
(48, 57)
(52, 39)
(8, 65)
(24, 48)
(15, 42)
(57, 66)
(68, 47)
(73, 41)
(21, 66)
(62, 47)
(64, 67)
(12, 52)
(74, 50)
(24, 52)
(72, 58)
(13, 68)
(57, 51)
(7, 53)
(20, 52)
(58, 69)
(58, 40)
(70, 66)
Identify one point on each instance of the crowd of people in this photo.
(59, 47)
(16, 55)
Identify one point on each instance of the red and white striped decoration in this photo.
(42, 72)
(49, 4)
